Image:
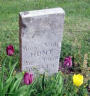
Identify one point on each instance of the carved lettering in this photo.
(51, 44)
(50, 58)
(33, 54)
(47, 65)
(37, 67)
(27, 48)
(52, 65)
(41, 53)
(45, 52)
(29, 62)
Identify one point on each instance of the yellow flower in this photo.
(52, 78)
(85, 95)
(78, 80)
(23, 72)
(41, 76)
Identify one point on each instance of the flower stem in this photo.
(10, 62)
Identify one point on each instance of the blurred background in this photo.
(76, 35)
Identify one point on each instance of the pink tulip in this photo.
(67, 62)
(10, 50)
(28, 78)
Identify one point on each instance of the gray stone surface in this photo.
(40, 39)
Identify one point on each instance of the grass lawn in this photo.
(76, 35)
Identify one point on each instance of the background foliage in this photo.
(76, 35)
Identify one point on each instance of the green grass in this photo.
(77, 24)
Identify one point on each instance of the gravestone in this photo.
(40, 39)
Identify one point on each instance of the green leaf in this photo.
(49, 92)
(39, 94)
(7, 84)
(0, 87)
(30, 91)
(19, 75)
(1, 78)
(43, 81)
(15, 86)
(20, 91)
(12, 68)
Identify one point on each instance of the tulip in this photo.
(78, 80)
(10, 50)
(67, 62)
(28, 78)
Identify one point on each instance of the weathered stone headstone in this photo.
(40, 39)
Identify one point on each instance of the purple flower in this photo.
(10, 50)
(28, 78)
(67, 62)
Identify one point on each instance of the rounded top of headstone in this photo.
(42, 12)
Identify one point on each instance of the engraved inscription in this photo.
(41, 53)
(37, 67)
(44, 59)
(51, 44)
(50, 58)
(27, 48)
(29, 62)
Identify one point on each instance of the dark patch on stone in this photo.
(23, 25)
